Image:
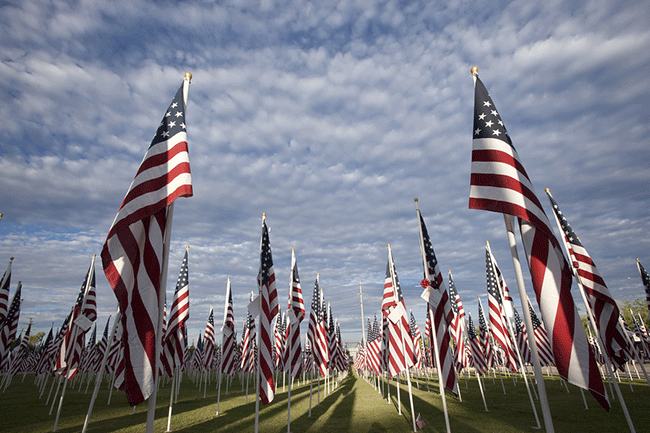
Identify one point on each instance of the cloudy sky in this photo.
(330, 117)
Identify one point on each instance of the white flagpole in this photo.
(539, 377)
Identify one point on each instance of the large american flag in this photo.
(134, 250)
(499, 183)
(498, 321)
(175, 341)
(645, 278)
(601, 303)
(295, 315)
(228, 336)
(4, 292)
(439, 307)
(269, 308)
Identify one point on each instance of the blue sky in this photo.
(331, 117)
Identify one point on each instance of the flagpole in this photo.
(98, 378)
(539, 377)
(433, 325)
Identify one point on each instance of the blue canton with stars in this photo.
(174, 120)
(487, 122)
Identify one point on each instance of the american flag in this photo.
(228, 341)
(248, 361)
(645, 278)
(521, 335)
(642, 334)
(499, 183)
(134, 250)
(417, 341)
(45, 361)
(269, 309)
(498, 321)
(439, 307)
(279, 336)
(98, 355)
(175, 342)
(316, 332)
(208, 341)
(486, 337)
(373, 354)
(295, 315)
(4, 292)
(115, 350)
(331, 337)
(601, 303)
(544, 350)
(84, 313)
(10, 325)
(400, 342)
(457, 326)
(478, 356)
(88, 352)
(20, 353)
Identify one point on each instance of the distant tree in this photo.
(33, 339)
(636, 307)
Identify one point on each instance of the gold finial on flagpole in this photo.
(474, 71)
(188, 76)
(1, 214)
(187, 247)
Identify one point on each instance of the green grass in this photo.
(355, 406)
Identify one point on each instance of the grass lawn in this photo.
(354, 406)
